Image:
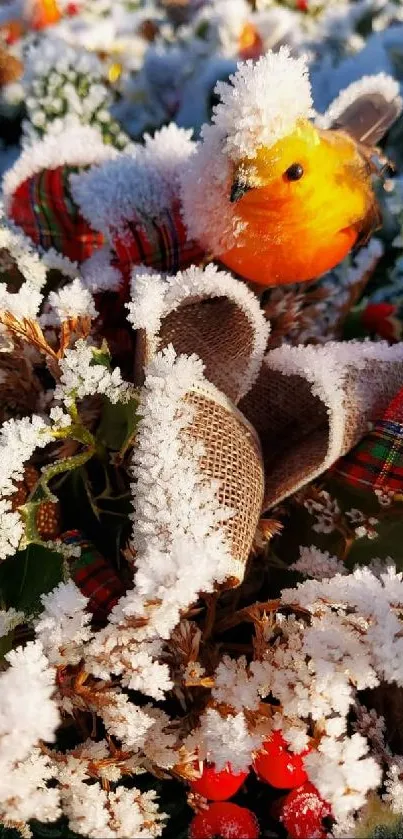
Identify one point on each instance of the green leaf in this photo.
(55, 830)
(101, 356)
(9, 832)
(27, 575)
(118, 425)
(6, 644)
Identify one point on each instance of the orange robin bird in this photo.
(272, 195)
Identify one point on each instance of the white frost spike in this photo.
(262, 103)
(72, 301)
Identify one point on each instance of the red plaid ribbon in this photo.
(377, 461)
(161, 244)
(44, 209)
(95, 577)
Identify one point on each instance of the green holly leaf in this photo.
(118, 425)
(27, 575)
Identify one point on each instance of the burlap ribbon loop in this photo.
(210, 314)
(310, 405)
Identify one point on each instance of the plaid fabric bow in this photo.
(94, 576)
(42, 206)
(161, 244)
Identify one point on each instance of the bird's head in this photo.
(270, 194)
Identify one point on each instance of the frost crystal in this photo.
(262, 103)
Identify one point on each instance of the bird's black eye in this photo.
(294, 172)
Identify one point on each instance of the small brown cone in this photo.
(31, 477)
(20, 496)
(48, 520)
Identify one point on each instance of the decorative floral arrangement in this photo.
(201, 480)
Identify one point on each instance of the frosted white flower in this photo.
(81, 375)
(126, 721)
(147, 304)
(161, 745)
(24, 793)
(226, 740)
(18, 441)
(177, 514)
(59, 262)
(325, 509)
(72, 301)
(9, 619)
(24, 303)
(394, 786)
(363, 525)
(11, 529)
(27, 714)
(319, 564)
(63, 626)
(343, 773)
(235, 685)
(59, 417)
(98, 814)
(22, 251)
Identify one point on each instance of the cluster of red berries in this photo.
(301, 811)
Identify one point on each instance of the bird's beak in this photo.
(239, 188)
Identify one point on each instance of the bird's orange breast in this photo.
(293, 230)
(294, 259)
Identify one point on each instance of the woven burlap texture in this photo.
(308, 417)
(218, 331)
(220, 321)
(232, 456)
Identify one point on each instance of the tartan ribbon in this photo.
(161, 244)
(95, 576)
(377, 461)
(43, 207)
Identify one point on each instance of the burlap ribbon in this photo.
(233, 458)
(209, 313)
(310, 405)
(212, 315)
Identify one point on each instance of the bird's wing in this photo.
(371, 222)
(369, 117)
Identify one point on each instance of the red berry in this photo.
(218, 786)
(225, 820)
(278, 766)
(381, 318)
(302, 813)
(302, 5)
